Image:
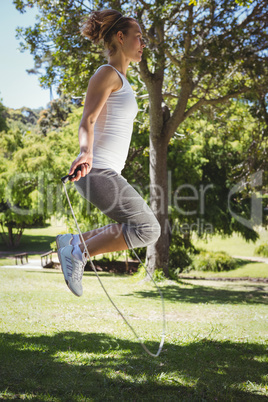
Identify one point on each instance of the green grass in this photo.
(36, 239)
(234, 245)
(7, 261)
(57, 347)
(246, 269)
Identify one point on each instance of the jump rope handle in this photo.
(64, 179)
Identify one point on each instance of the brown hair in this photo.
(101, 25)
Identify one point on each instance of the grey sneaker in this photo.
(64, 240)
(72, 269)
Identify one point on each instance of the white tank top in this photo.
(113, 127)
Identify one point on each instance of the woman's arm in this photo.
(100, 86)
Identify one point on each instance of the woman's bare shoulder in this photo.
(106, 75)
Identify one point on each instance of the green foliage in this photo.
(31, 167)
(23, 118)
(244, 2)
(262, 250)
(3, 122)
(55, 116)
(179, 260)
(140, 251)
(20, 206)
(212, 261)
(214, 146)
(157, 274)
(53, 246)
(180, 252)
(35, 157)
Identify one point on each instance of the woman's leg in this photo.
(136, 224)
(94, 232)
(111, 193)
(108, 240)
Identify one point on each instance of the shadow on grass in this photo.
(240, 262)
(180, 292)
(71, 366)
(208, 294)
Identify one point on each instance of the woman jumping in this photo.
(104, 136)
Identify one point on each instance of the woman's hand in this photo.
(85, 160)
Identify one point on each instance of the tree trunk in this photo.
(18, 236)
(157, 254)
(10, 236)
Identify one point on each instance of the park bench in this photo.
(21, 256)
(46, 259)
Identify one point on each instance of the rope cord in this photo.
(109, 297)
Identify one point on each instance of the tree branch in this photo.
(145, 5)
(83, 5)
(170, 95)
(212, 102)
(249, 17)
(172, 58)
(178, 115)
(188, 36)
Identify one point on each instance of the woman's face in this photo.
(133, 43)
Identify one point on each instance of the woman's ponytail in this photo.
(103, 24)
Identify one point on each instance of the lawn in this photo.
(246, 269)
(57, 347)
(36, 239)
(234, 245)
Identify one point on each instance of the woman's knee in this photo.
(144, 234)
(155, 232)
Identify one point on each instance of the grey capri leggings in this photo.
(115, 197)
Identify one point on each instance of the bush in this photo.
(179, 261)
(140, 251)
(213, 261)
(262, 250)
(158, 274)
(181, 251)
(53, 246)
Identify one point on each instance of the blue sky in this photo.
(17, 87)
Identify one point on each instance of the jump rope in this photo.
(64, 181)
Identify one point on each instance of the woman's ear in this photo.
(120, 36)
